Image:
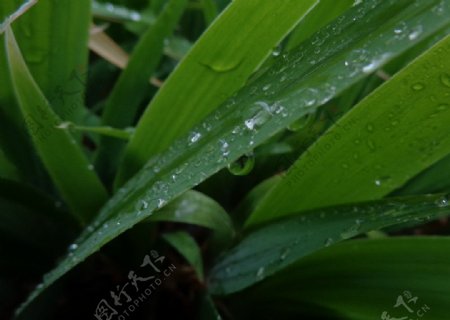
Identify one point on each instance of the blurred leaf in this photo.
(188, 248)
(64, 160)
(210, 73)
(353, 152)
(359, 280)
(274, 247)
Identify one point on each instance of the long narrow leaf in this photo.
(123, 103)
(62, 157)
(350, 154)
(210, 73)
(278, 245)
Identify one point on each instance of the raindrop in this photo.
(143, 205)
(224, 147)
(415, 33)
(418, 86)
(285, 253)
(443, 107)
(73, 247)
(243, 165)
(328, 242)
(135, 16)
(445, 79)
(194, 137)
(161, 203)
(91, 167)
(370, 127)
(442, 202)
(260, 272)
(371, 145)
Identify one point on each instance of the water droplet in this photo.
(266, 87)
(370, 127)
(277, 51)
(143, 205)
(352, 231)
(260, 272)
(415, 33)
(243, 165)
(284, 253)
(442, 202)
(161, 203)
(73, 247)
(443, 107)
(371, 145)
(91, 167)
(135, 16)
(194, 137)
(445, 79)
(328, 242)
(418, 86)
(224, 148)
(382, 180)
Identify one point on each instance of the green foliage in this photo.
(289, 145)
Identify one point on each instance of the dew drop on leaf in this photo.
(260, 272)
(73, 247)
(328, 242)
(445, 79)
(418, 86)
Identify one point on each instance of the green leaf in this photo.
(360, 280)
(274, 247)
(243, 122)
(64, 160)
(352, 152)
(188, 248)
(211, 73)
(7, 169)
(123, 103)
(322, 14)
(434, 179)
(195, 208)
(56, 56)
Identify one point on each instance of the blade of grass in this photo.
(123, 103)
(274, 247)
(64, 160)
(350, 153)
(210, 73)
(325, 12)
(188, 248)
